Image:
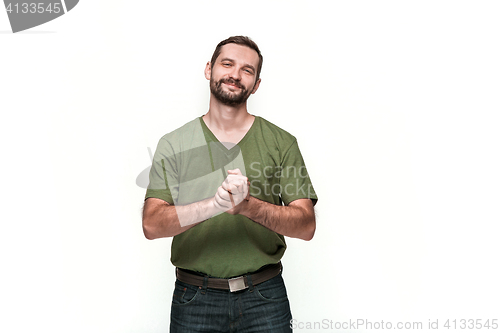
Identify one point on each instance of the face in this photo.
(232, 76)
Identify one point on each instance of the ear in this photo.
(255, 87)
(208, 71)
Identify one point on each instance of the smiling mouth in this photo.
(232, 85)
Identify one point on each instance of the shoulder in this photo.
(189, 135)
(184, 131)
(283, 138)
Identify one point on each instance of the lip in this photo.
(231, 85)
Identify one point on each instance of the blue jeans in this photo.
(260, 308)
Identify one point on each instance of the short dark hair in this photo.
(239, 40)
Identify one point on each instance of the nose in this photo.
(235, 73)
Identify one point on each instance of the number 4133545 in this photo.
(471, 324)
(34, 7)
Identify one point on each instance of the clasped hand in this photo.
(232, 193)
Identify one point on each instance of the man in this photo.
(228, 186)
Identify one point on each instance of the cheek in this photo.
(249, 83)
(252, 87)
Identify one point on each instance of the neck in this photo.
(227, 118)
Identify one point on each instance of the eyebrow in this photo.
(231, 60)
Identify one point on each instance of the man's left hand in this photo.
(236, 186)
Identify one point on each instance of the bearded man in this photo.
(228, 187)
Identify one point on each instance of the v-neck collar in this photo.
(214, 138)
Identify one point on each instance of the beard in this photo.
(229, 98)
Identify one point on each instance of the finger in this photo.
(229, 183)
(223, 194)
(234, 172)
(230, 187)
(234, 184)
(236, 179)
(237, 182)
(242, 186)
(222, 199)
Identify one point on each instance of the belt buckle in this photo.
(237, 284)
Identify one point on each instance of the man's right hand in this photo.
(232, 192)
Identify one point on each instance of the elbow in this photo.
(307, 220)
(148, 230)
(148, 235)
(309, 230)
(153, 230)
(154, 224)
(309, 237)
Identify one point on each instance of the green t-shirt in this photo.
(190, 164)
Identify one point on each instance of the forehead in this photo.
(239, 53)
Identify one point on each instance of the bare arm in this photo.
(160, 219)
(295, 220)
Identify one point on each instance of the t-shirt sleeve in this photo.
(295, 182)
(163, 172)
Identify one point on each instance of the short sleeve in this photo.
(294, 180)
(163, 171)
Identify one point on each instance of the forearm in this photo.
(295, 220)
(161, 219)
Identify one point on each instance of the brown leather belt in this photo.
(234, 284)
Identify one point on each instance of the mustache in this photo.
(231, 81)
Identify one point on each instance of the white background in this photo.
(395, 105)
